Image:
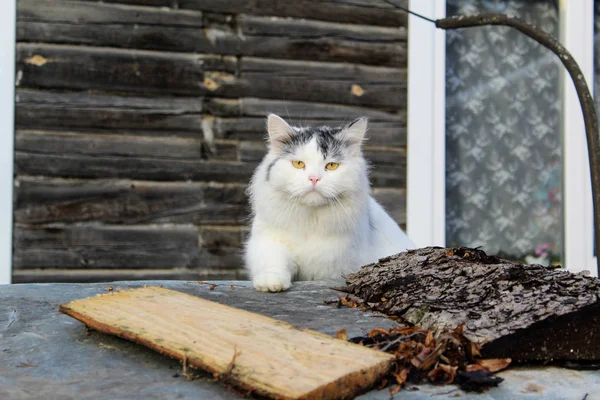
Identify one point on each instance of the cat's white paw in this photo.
(270, 282)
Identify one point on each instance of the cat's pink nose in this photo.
(314, 179)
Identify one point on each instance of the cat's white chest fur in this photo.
(313, 216)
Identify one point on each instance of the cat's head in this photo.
(316, 165)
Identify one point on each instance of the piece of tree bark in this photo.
(523, 312)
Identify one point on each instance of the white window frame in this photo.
(8, 21)
(426, 214)
(426, 170)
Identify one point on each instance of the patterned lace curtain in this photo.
(503, 135)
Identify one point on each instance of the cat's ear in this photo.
(354, 133)
(279, 132)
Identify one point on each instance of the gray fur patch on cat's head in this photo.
(332, 142)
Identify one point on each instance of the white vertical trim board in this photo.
(426, 169)
(577, 35)
(7, 100)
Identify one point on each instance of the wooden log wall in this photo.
(139, 123)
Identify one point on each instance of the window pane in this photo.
(503, 138)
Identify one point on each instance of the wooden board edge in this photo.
(363, 381)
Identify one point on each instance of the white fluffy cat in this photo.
(313, 215)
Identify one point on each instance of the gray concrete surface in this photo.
(47, 355)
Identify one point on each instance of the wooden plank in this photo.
(86, 166)
(366, 12)
(110, 275)
(158, 3)
(270, 357)
(78, 67)
(43, 201)
(290, 28)
(121, 156)
(220, 258)
(221, 236)
(111, 119)
(214, 40)
(107, 145)
(96, 100)
(252, 150)
(98, 246)
(389, 175)
(321, 41)
(123, 145)
(257, 36)
(88, 13)
(302, 69)
(290, 109)
(210, 213)
(382, 156)
(37, 109)
(133, 36)
(340, 83)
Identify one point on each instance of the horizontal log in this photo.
(158, 3)
(391, 134)
(393, 176)
(43, 201)
(69, 118)
(70, 67)
(37, 109)
(254, 25)
(393, 201)
(132, 36)
(214, 237)
(258, 36)
(95, 100)
(252, 150)
(210, 213)
(95, 246)
(110, 275)
(127, 167)
(123, 146)
(220, 258)
(340, 83)
(318, 70)
(297, 111)
(88, 13)
(76, 67)
(107, 145)
(383, 156)
(365, 12)
(321, 41)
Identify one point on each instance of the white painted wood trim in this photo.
(7, 105)
(577, 35)
(426, 169)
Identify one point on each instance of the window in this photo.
(503, 164)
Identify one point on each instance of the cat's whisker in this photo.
(350, 217)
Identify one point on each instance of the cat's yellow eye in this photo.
(298, 164)
(332, 165)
